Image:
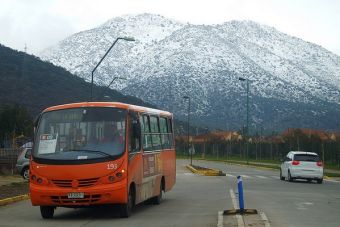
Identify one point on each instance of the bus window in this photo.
(156, 137)
(147, 142)
(134, 132)
(170, 133)
(170, 125)
(163, 124)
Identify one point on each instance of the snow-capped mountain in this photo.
(292, 83)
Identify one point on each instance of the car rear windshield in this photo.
(306, 157)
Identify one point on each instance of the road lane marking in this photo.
(265, 219)
(229, 175)
(184, 174)
(329, 180)
(275, 177)
(303, 205)
(220, 219)
(239, 218)
(246, 176)
(262, 177)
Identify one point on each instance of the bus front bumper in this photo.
(49, 195)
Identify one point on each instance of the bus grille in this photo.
(76, 183)
(66, 200)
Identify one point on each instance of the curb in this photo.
(207, 172)
(270, 168)
(252, 166)
(14, 199)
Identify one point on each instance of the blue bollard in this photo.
(240, 193)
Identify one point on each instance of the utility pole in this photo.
(123, 38)
(188, 98)
(247, 129)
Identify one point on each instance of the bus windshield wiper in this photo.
(93, 151)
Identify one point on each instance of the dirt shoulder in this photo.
(13, 189)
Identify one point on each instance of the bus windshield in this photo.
(81, 133)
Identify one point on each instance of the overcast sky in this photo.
(42, 23)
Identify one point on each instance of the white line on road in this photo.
(220, 219)
(229, 175)
(245, 176)
(265, 219)
(239, 218)
(331, 180)
(262, 177)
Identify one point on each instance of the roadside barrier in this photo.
(241, 209)
(240, 194)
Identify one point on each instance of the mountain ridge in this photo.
(171, 59)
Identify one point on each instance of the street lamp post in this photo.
(188, 98)
(247, 129)
(108, 86)
(123, 38)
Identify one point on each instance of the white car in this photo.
(302, 165)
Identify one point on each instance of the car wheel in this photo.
(290, 179)
(26, 173)
(319, 181)
(47, 212)
(126, 209)
(281, 177)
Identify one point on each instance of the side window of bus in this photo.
(147, 142)
(156, 136)
(163, 123)
(134, 133)
(170, 133)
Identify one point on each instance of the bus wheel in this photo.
(126, 209)
(158, 199)
(47, 212)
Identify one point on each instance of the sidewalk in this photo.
(7, 180)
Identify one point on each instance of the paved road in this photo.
(195, 201)
(285, 203)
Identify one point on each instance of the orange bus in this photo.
(96, 153)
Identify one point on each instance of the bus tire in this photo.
(127, 208)
(158, 199)
(47, 212)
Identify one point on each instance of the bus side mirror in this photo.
(136, 129)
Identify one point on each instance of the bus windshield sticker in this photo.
(82, 157)
(48, 143)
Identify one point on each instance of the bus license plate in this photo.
(75, 195)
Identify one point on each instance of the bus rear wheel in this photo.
(158, 199)
(47, 212)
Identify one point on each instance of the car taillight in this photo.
(319, 164)
(295, 163)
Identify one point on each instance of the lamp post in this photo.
(123, 38)
(247, 129)
(188, 98)
(108, 86)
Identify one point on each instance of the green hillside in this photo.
(35, 84)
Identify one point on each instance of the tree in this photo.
(14, 120)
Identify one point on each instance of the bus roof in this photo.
(110, 104)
